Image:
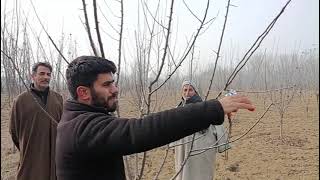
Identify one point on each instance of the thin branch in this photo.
(120, 44)
(152, 35)
(266, 91)
(108, 21)
(54, 44)
(233, 5)
(162, 164)
(111, 9)
(142, 165)
(146, 17)
(119, 53)
(157, 77)
(97, 28)
(172, 58)
(210, 22)
(188, 51)
(240, 137)
(88, 27)
(191, 11)
(215, 145)
(155, 20)
(164, 54)
(252, 49)
(109, 35)
(185, 160)
(195, 139)
(219, 47)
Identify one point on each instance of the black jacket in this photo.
(91, 142)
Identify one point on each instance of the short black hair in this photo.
(45, 64)
(84, 70)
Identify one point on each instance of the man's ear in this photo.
(32, 76)
(83, 93)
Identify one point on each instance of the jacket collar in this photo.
(73, 105)
(194, 99)
(45, 92)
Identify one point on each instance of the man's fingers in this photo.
(229, 115)
(241, 99)
(246, 103)
(248, 106)
(233, 103)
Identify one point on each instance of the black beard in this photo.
(101, 102)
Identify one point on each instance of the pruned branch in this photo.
(104, 16)
(88, 27)
(162, 164)
(120, 43)
(163, 56)
(252, 49)
(188, 51)
(51, 40)
(219, 47)
(111, 9)
(97, 28)
(154, 18)
(193, 14)
(185, 160)
(240, 137)
(266, 91)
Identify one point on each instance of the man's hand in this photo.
(234, 103)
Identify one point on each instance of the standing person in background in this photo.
(32, 131)
(201, 166)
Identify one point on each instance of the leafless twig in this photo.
(162, 164)
(252, 49)
(188, 50)
(88, 27)
(97, 27)
(54, 44)
(219, 47)
(266, 91)
(240, 137)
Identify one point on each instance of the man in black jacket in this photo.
(91, 142)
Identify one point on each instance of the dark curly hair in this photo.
(83, 71)
(36, 65)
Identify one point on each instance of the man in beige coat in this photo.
(200, 165)
(32, 130)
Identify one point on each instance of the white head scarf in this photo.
(187, 82)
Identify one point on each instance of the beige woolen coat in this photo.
(200, 166)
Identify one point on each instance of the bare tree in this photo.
(282, 100)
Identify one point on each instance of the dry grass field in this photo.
(260, 155)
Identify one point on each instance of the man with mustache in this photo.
(33, 132)
(91, 142)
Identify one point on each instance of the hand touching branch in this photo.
(234, 103)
